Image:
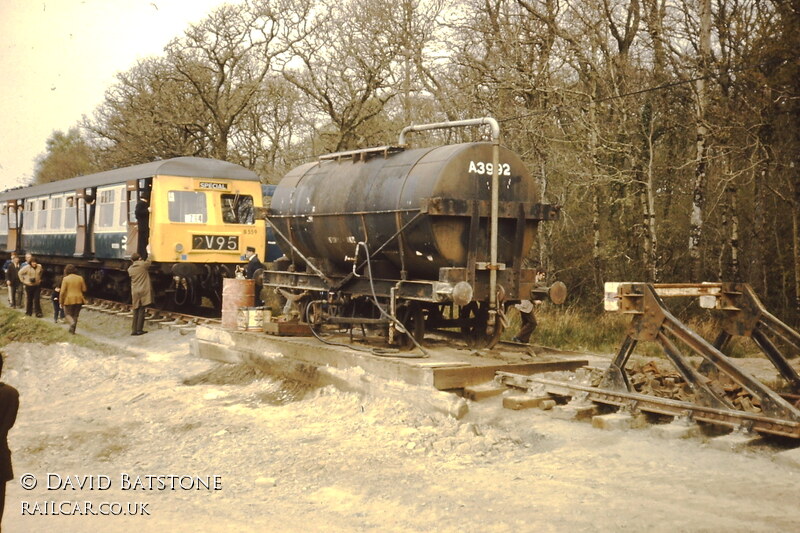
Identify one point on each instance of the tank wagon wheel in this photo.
(474, 320)
(412, 317)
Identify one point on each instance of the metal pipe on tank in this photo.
(493, 222)
(454, 124)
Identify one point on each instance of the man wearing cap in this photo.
(251, 270)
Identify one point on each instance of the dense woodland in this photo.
(669, 130)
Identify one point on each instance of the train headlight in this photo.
(179, 247)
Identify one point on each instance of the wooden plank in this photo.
(482, 392)
(287, 329)
(458, 378)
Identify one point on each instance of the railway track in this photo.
(180, 321)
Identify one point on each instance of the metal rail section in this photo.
(642, 402)
(743, 315)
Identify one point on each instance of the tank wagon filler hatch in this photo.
(409, 239)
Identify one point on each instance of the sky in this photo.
(58, 57)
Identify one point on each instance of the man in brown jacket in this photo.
(72, 288)
(31, 277)
(9, 405)
(141, 291)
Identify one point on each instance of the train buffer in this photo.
(709, 386)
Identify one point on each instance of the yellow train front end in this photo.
(200, 229)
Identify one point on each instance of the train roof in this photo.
(190, 167)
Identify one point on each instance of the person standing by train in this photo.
(525, 308)
(13, 283)
(142, 212)
(55, 296)
(251, 271)
(72, 288)
(141, 291)
(9, 405)
(31, 277)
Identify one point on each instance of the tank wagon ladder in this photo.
(651, 321)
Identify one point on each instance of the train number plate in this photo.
(215, 242)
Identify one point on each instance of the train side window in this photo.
(41, 215)
(237, 209)
(27, 216)
(81, 212)
(69, 213)
(4, 219)
(106, 204)
(187, 206)
(12, 217)
(56, 210)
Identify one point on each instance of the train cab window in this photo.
(69, 213)
(56, 209)
(187, 206)
(106, 212)
(237, 209)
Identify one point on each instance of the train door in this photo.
(84, 205)
(134, 190)
(14, 215)
(131, 197)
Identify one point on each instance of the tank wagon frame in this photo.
(202, 218)
(410, 240)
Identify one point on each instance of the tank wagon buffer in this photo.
(410, 240)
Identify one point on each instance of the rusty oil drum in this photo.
(236, 293)
(330, 205)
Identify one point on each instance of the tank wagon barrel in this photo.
(447, 224)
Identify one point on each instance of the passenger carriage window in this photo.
(27, 215)
(106, 214)
(41, 215)
(12, 217)
(55, 213)
(4, 219)
(69, 213)
(187, 206)
(237, 209)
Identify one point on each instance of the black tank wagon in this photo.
(414, 239)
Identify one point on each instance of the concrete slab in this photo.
(613, 421)
(677, 430)
(575, 411)
(524, 401)
(734, 442)
(446, 368)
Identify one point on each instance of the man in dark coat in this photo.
(142, 212)
(251, 271)
(13, 282)
(9, 405)
(141, 291)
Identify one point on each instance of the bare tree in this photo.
(224, 59)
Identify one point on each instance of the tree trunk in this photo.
(701, 156)
(733, 192)
(795, 169)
